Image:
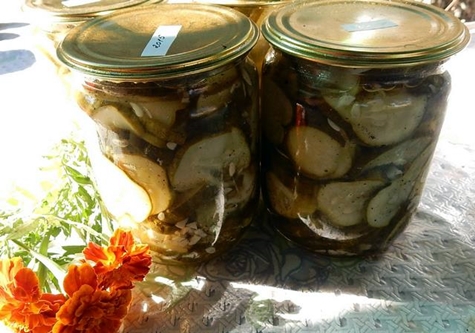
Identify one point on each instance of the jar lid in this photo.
(158, 41)
(69, 9)
(366, 33)
(245, 3)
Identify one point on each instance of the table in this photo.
(425, 282)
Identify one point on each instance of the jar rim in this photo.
(245, 3)
(74, 10)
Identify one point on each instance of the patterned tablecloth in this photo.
(425, 282)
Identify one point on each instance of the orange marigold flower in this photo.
(22, 304)
(121, 263)
(8, 270)
(90, 310)
(78, 276)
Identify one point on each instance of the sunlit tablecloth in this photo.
(424, 283)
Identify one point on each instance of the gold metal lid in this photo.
(158, 41)
(69, 9)
(366, 33)
(245, 3)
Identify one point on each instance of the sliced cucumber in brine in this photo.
(127, 201)
(161, 110)
(382, 117)
(344, 203)
(289, 202)
(343, 81)
(209, 160)
(392, 163)
(150, 176)
(317, 154)
(387, 202)
(112, 118)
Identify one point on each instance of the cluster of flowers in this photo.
(98, 290)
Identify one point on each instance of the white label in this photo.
(369, 25)
(75, 3)
(161, 40)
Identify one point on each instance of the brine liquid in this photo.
(346, 151)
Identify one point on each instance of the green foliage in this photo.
(51, 232)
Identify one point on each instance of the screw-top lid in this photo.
(366, 33)
(245, 3)
(158, 41)
(66, 10)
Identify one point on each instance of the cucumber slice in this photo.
(218, 81)
(276, 111)
(163, 111)
(344, 203)
(217, 90)
(124, 199)
(150, 176)
(387, 202)
(210, 102)
(111, 118)
(157, 118)
(335, 80)
(158, 131)
(208, 160)
(288, 202)
(397, 158)
(317, 154)
(382, 117)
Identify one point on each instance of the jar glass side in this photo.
(346, 150)
(176, 160)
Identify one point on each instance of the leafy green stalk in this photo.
(52, 232)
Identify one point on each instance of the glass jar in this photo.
(462, 9)
(173, 101)
(257, 11)
(351, 113)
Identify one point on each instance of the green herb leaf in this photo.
(35, 227)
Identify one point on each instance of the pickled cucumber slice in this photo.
(210, 102)
(289, 202)
(157, 119)
(222, 79)
(317, 154)
(209, 159)
(344, 81)
(217, 91)
(161, 132)
(163, 111)
(150, 176)
(387, 202)
(124, 199)
(110, 117)
(383, 117)
(393, 161)
(276, 111)
(344, 203)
